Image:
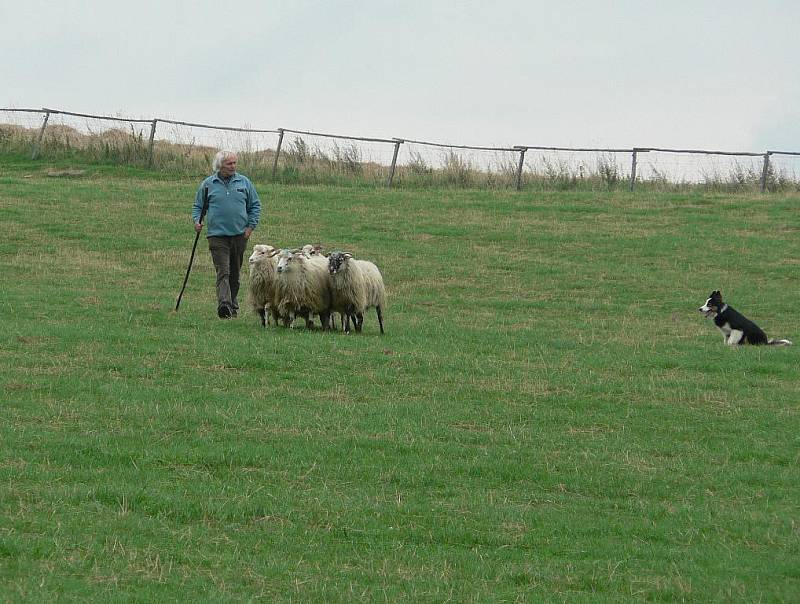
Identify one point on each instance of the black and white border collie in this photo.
(735, 327)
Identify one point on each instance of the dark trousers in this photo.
(227, 254)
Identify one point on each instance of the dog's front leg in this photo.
(735, 337)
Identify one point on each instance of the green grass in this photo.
(548, 418)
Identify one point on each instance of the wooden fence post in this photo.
(521, 163)
(151, 144)
(397, 143)
(765, 172)
(277, 153)
(38, 143)
(633, 169)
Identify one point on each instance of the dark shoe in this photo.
(224, 311)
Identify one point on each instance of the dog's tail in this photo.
(779, 342)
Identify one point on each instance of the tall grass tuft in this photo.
(608, 170)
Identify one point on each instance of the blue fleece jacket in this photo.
(233, 206)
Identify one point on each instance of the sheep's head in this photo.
(337, 261)
(312, 250)
(289, 257)
(261, 252)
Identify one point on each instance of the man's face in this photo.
(228, 166)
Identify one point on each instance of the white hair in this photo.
(220, 157)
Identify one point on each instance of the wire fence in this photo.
(298, 156)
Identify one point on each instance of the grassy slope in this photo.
(547, 417)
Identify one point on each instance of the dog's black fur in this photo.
(735, 327)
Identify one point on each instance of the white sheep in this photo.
(263, 272)
(356, 285)
(376, 291)
(302, 288)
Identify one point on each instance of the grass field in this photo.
(548, 417)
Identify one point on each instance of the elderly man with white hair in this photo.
(233, 212)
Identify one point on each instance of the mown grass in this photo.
(548, 418)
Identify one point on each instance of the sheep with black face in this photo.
(356, 285)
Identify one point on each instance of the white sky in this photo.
(721, 75)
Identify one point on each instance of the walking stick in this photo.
(194, 247)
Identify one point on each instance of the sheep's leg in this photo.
(359, 321)
(275, 316)
(262, 313)
(325, 319)
(380, 317)
(348, 312)
(307, 317)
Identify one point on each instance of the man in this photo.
(233, 212)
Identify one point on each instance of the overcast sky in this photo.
(690, 74)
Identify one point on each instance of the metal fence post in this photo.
(151, 144)
(765, 172)
(521, 163)
(397, 143)
(633, 169)
(277, 153)
(38, 143)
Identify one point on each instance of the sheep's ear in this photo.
(273, 253)
(347, 255)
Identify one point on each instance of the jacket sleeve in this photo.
(197, 208)
(253, 206)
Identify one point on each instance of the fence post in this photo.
(397, 143)
(151, 144)
(633, 169)
(277, 153)
(521, 163)
(764, 172)
(38, 143)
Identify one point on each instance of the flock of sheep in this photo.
(290, 283)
